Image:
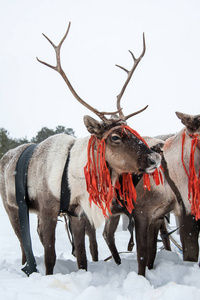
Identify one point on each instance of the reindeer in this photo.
(148, 215)
(181, 164)
(182, 159)
(111, 149)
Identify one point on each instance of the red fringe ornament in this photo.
(98, 181)
(193, 178)
(127, 191)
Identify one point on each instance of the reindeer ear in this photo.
(183, 117)
(191, 122)
(93, 126)
(158, 147)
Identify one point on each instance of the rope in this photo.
(176, 244)
(67, 229)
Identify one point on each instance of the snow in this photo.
(171, 278)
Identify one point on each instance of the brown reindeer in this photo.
(148, 214)
(182, 156)
(112, 149)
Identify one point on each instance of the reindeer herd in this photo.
(97, 179)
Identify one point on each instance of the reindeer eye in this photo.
(116, 138)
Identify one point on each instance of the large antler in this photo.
(130, 73)
(59, 69)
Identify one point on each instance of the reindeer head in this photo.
(124, 151)
(191, 122)
(190, 158)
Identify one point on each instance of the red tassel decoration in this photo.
(193, 178)
(146, 181)
(97, 176)
(127, 191)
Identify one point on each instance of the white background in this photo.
(102, 32)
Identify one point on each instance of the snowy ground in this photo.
(170, 279)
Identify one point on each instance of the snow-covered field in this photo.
(170, 279)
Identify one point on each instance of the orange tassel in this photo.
(157, 177)
(193, 178)
(98, 181)
(146, 182)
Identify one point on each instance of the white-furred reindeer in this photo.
(182, 156)
(112, 149)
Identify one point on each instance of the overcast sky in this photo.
(102, 32)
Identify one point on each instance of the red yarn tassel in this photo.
(146, 181)
(97, 176)
(157, 177)
(193, 178)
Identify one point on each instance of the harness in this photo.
(65, 191)
(22, 199)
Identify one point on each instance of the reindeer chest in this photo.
(76, 175)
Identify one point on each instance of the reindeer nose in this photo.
(151, 161)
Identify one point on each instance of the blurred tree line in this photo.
(7, 143)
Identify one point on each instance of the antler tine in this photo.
(135, 113)
(59, 69)
(130, 73)
(57, 50)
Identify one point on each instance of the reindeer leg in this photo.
(78, 226)
(141, 226)
(189, 234)
(14, 220)
(91, 232)
(109, 236)
(152, 242)
(131, 228)
(166, 240)
(46, 230)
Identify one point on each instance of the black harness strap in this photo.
(164, 236)
(65, 194)
(65, 191)
(22, 199)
